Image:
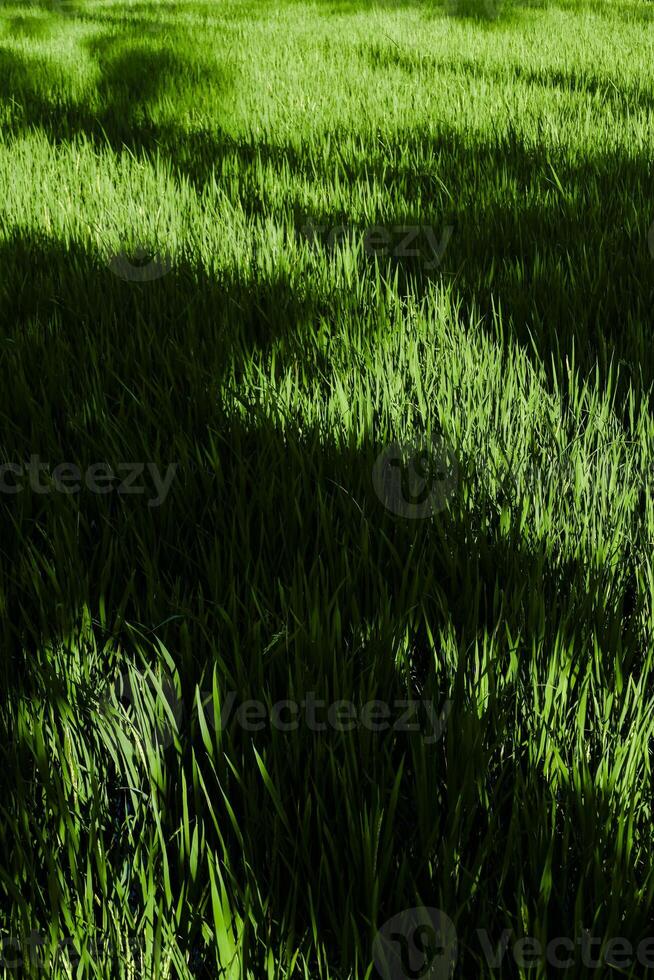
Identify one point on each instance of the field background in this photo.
(273, 367)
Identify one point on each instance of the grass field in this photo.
(253, 255)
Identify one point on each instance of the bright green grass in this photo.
(273, 371)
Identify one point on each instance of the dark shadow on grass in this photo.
(484, 14)
(101, 370)
(487, 13)
(32, 26)
(639, 12)
(269, 531)
(560, 261)
(385, 56)
(118, 112)
(266, 524)
(273, 538)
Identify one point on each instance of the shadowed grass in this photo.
(162, 302)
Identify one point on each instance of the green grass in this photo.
(272, 368)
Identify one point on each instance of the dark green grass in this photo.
(272, 370)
